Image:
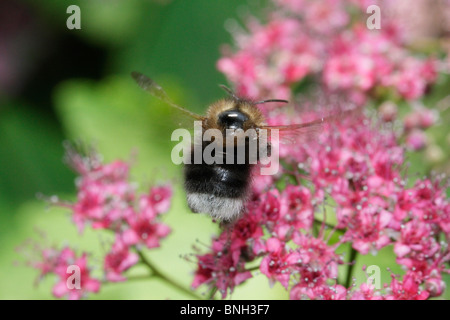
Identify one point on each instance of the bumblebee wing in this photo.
(307, 131)
(304, 132)
(156, 90)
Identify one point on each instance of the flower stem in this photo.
(157, 273)
(212, 293)
(329, 226)
(352, 262)
(252, 268)
(131, 278)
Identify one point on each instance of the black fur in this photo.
(221, 180)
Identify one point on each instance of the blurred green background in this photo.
(58, 84)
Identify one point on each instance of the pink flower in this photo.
(296, 209)
(435, 286)
(270, 205)
(87, 283)
(420, 118)
(408, 289)
(246, 228)
(366, 292)
(142, 229)
(404, 202)
(222, 268)
(118, 260)
(279, 264)
(103, 191)
(431, 203)
(322, 292)
(367, 229)
(331, 11)
(409, 84)
(143, 226)
(320, 261)
(416, 140)
(48, 262)
(388, 111)
(350, 72)
(159, 199)
(261, 184)
(315, 13)
(416, 239)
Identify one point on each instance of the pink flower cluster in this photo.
(65, 259)
(376, 62)
(329, 42)
(107, 200)
(58, 262)
(415, 122)
(358, 167)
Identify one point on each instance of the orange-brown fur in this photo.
(256, 118)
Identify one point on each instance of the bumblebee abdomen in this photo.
(218, 190)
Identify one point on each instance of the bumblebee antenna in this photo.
(272, 100)
(229, 91)
(234, 96)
